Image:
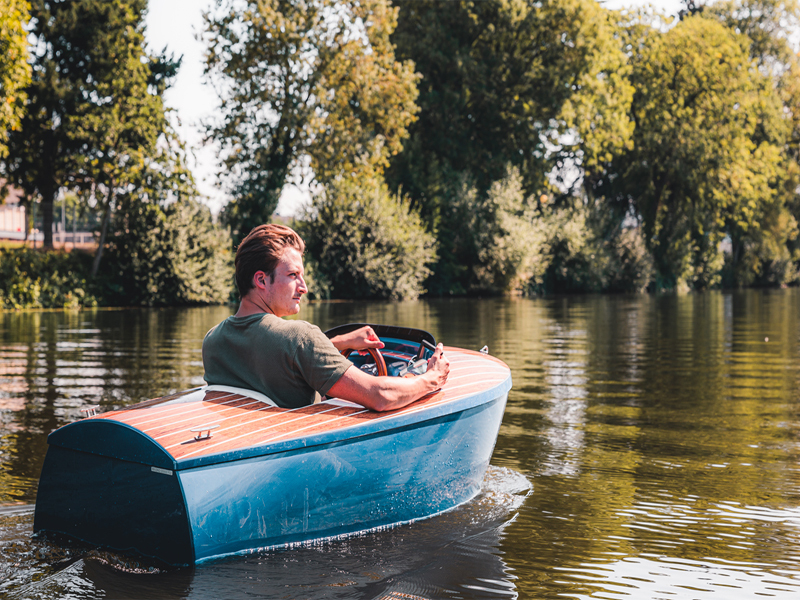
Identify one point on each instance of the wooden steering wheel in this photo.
(380, 363)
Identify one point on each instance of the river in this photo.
(650, 449)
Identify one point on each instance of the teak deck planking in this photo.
(245, 422)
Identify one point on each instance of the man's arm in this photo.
(391, 393)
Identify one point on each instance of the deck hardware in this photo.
(89, 411)
(203, 429)
(484, 350)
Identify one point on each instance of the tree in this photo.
(120, 115)
(94, 99)
(15, 72)
(163, 245)
(495, 79)
(765, 255)
(705, 160)
(767, 23)
(366, 243)
(505, 83)
(300, 80)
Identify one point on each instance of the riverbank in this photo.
(158, 266)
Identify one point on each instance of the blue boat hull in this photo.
(376, 480)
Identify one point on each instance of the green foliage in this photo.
(706, 154)
(502, 80)
(303, 80)
(163, 247)
(170, 256)
(576, 256)
(319, 288)
(768, 24)
(494, 240)
(35, 279)
(156, 257)
(15, 73)
(768, 254)
(550, 146)
(94, 108)
(630, 268)
(366, 243)
(121, 113)
(533, 86)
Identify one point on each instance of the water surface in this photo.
(649, 450)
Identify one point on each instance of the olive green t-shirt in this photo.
(288, 361)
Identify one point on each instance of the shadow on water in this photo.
(453, 555)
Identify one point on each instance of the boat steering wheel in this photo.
(380, 363)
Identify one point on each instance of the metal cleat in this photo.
(203, 429)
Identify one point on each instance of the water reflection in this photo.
(661, 435)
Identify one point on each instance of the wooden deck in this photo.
(244, 422)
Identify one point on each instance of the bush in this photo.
(44, 279)
(319, 288)
(631, 266)
(506, 242)
(170, 256)
(508, 236)
(489, 243)
(579, 256)
(363, 242)
(576, 259)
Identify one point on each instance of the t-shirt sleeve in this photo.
(318, 360)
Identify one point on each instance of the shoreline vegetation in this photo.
(454, 148)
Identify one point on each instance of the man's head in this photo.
(261, 250)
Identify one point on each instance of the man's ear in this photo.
(260, 280)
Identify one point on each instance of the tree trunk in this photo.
(48, 201)
(102, 242)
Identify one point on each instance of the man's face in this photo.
(283, 296)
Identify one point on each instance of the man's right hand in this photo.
(438, 367)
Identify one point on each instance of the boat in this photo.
(214, 471)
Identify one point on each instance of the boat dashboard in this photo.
(405, 353)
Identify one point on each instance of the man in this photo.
(293, 361)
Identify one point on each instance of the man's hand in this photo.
(438, 367)
(360, 339)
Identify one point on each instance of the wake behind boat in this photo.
(216, 471)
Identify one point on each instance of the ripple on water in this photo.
(645, 577)
(688, 548)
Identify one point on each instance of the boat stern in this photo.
(107, 484)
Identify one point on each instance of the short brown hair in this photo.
(261, 250)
